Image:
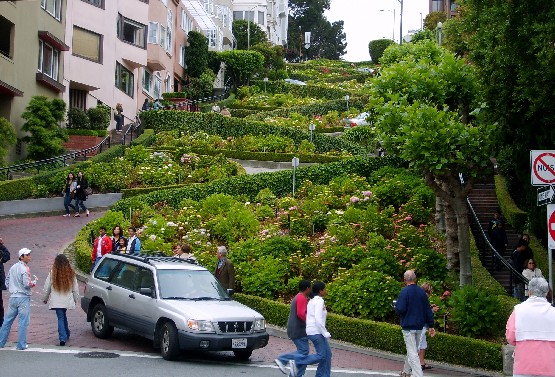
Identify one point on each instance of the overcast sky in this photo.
(365, 22)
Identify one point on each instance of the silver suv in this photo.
(175, 302)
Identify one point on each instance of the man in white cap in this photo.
(19, 283)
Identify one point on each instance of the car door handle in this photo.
(132, 296)
(109, 288)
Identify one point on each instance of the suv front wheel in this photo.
(99, 322)
(169, 344)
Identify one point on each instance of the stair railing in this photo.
(56, 161)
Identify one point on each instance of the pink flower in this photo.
(354, 199)
(445, 295)
(294, 208)
(367, 193)
(408, 218)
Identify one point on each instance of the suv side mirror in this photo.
(147, 292)
(230, 292)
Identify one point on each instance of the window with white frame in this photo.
(186, 22)
(131, 31)
(49, 59)
(208, 6)
(211, 35)
(261, 18)
(182, 58)
(54, 7)
(86, 44)
(169, 31)
(168, 83)
(147, 81)
(157, 85)
(162, 36)
(153, 32)
(124, 80)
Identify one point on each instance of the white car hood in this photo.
(213, 311)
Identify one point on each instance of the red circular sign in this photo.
(544, 167)
(551, 226)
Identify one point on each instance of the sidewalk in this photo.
(47, 236)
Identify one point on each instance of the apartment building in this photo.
(270, 15)
(32, 50)
(446, 6)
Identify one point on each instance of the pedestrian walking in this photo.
(102, 245)
(4, 258)
(318, 334)
(118, 117)
(224, 273)
(296, 328)
(414, 308)
(423, 345)
(531, 329)
(69, 193)
(19, 283)
(61, 292)
(80, 194)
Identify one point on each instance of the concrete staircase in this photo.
(484, 201)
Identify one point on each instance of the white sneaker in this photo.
(292, 368)
(281, 366)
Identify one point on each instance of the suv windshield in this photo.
(190, 285)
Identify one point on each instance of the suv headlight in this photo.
(259, 324)
(193, 324)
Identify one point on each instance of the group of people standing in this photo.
(75, 188)
(116, 244)
(61, 292)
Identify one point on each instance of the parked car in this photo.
(359, 120)
(295, 82)
(176, 303)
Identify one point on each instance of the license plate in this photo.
(239, 343)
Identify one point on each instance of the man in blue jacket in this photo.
(414, 308)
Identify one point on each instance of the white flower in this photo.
(247, 203)
(152, 237)
(171, 223)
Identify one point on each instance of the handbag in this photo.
(88, 191)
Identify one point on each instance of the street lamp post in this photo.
(347, 100)
(439, 32)
(401, 23)
(265, 81)
(295, 164)
(311, 128)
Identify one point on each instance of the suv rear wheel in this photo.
(243, 355)
(169, 344)
(99, 322)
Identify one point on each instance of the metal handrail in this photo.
(49, 161)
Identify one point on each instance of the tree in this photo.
(46, 136)
(196, 54)
(377, 47)
(431, 20)
(511, 46)
(7, 131)
(241, 31)
(241, 65)
(424, 111)
(274, 66)
(327, 39)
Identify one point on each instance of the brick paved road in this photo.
(50, 235)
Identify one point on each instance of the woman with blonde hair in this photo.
(62, 291)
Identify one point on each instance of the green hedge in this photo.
(387, 337)
(322, 108)
(262, 156)
(514, 215)
(250, 185)
(312, 91)
(215, 124)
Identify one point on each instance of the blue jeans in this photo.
(67, 203)
(63, 328)
(322, 356)
(302, 350)
(17, 306)
(80, 203)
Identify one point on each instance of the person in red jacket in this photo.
(102, 245)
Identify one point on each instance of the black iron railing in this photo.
(55, 161)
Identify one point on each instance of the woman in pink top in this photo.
(531, 328)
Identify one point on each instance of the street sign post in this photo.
(545, 195)
(542, 167)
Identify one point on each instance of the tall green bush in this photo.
(475, 312)
(7, 131)
(377, 47)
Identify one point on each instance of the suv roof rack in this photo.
(158, 256)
